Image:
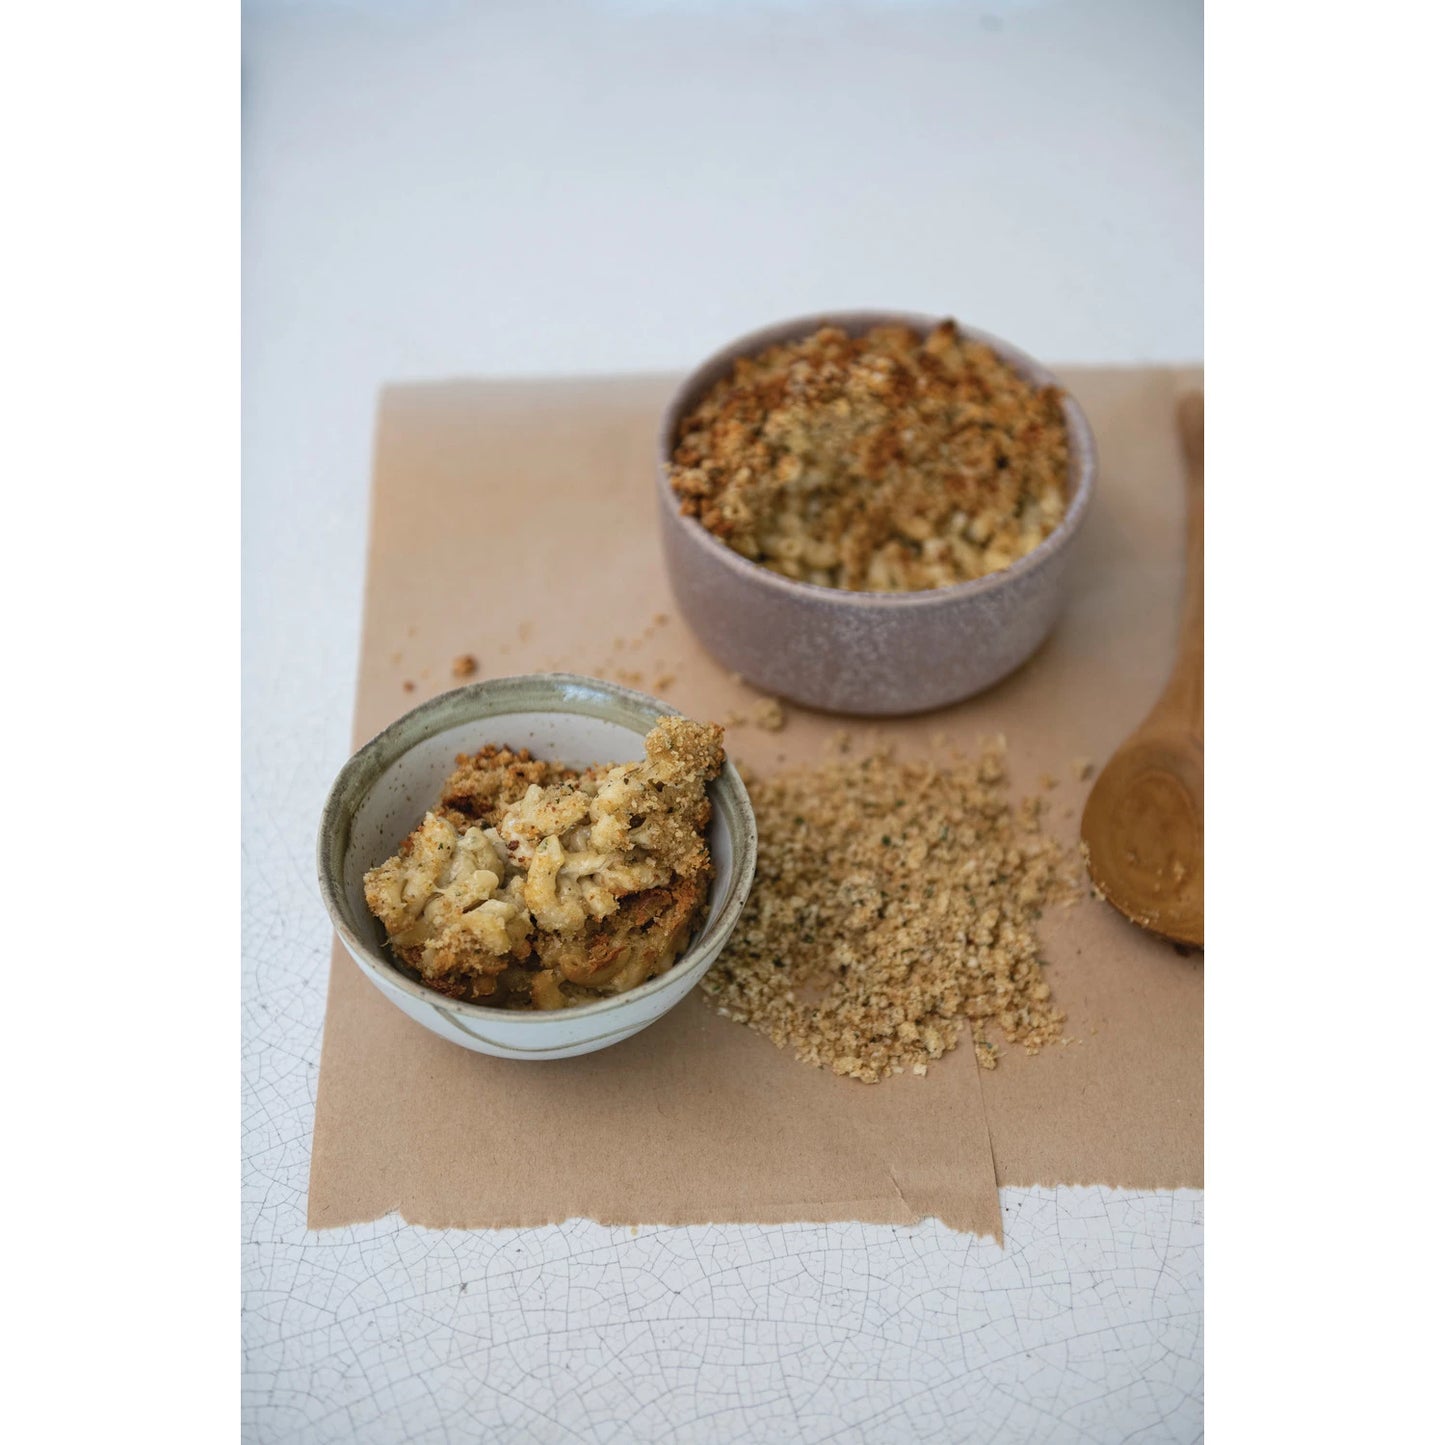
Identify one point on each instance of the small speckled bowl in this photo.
(387, 787)
(870, 653)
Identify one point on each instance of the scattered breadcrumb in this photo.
(408, 686)
(464, 666)
(1048, 782)
(768, 714)
(894, 913)
(660, 618)
(1083, 768)
(663, 680)
(839, 743)
(886, 462)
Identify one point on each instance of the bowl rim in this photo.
(366, 765)
(1082, 446)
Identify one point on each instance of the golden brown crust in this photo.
(490, 780)
(638, 942)
(886, 462)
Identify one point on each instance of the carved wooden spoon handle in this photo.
(1183, 698)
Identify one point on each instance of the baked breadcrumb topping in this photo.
(533, 885)
(893, 914)
(888, 462)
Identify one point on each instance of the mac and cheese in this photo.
(883, 463)
(535, 886)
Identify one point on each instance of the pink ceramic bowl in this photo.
(868, 653)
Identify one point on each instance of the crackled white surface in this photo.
(459, 189)
(1087, 1328)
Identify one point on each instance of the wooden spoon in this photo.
(1143, 825)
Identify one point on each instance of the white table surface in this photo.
(483, 189)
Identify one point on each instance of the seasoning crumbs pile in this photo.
(893, 912)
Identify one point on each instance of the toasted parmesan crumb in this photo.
(464, 666)
(894, 913)
(887, 462)
(768, 714)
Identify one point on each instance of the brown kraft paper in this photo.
(513, 521)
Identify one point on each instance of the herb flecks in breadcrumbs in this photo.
(886, 462)
(894, 913)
